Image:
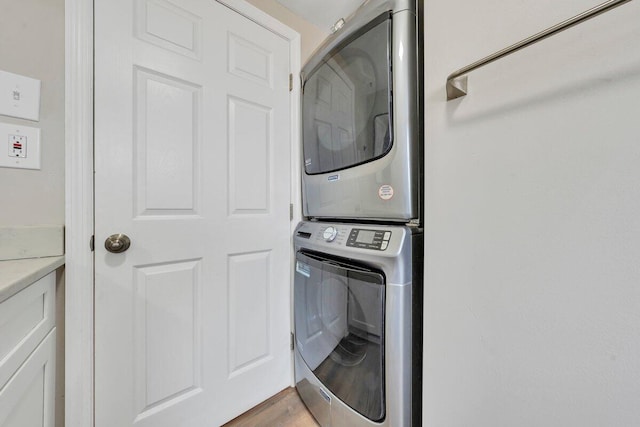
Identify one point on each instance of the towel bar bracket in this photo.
(456, 87)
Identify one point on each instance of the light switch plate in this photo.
(19, 96)
(19, 146)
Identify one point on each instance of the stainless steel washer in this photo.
(357, 305)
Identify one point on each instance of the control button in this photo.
(387, 235)
(330, 234)
(384, 245)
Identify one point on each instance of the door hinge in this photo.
(292, 340)
(291, 212)
(290, 82)
(92, 243)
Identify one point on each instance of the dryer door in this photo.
(339, 322)
(346, 103)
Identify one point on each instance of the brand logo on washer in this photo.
(324, 395)
(332, 178)
(303, 269)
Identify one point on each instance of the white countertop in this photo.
(15, 275)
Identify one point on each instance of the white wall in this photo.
(310, 35)
(532, 292)
(32, 44)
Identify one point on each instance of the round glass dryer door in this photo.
(346, 103)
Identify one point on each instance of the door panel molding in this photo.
(79, 195)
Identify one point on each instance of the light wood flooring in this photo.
(285, 409)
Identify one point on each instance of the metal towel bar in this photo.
(457, 81)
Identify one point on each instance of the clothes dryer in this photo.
(362, 117)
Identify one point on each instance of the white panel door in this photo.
(192, 134)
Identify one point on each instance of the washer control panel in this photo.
(369, 239)
(372, 237)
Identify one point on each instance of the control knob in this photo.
(330, 234)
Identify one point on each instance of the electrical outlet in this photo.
(23, 146)
(18, 146)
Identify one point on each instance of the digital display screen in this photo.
(365, 236)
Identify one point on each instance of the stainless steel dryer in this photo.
(362, 117)
(358, 334)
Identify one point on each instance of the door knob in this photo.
(117, 243)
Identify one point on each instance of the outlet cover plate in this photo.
(29, 155)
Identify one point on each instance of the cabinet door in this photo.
(25, 319)
(27, 400)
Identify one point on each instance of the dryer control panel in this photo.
(369, 239)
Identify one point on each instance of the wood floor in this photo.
(285, 409)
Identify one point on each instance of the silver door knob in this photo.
(117, 243)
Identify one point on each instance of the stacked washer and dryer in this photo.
(359, 254)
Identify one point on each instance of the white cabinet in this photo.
(27, 356)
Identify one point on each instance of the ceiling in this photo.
(323, 13)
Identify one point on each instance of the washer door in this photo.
(339, 322)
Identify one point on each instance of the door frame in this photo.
(79, 194)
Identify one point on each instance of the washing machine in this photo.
(358, 318)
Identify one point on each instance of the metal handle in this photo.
(117, 243)
(457, 81)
